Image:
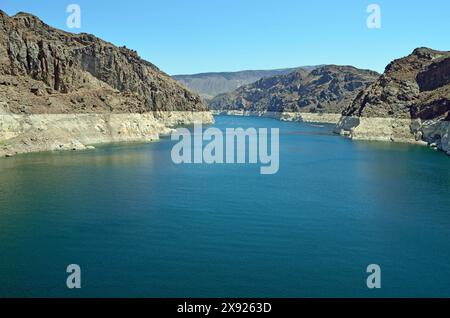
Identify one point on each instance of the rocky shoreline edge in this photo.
(322, 118)
(433, 133)
(56, 132)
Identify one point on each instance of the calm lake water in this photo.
(139, 225)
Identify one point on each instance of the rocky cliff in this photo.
(328, 89)
(409, 102)
(46, 71)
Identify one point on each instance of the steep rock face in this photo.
(416, 86)
(328, 89)
(409, 102)
(45, 70)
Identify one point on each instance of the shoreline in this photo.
(59, 132)
(322, 118)
(430, 133)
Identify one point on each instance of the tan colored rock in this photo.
(50, 132)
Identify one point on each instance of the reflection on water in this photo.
(110, 154)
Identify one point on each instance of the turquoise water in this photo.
(139, 225)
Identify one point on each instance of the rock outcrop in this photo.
(410, 102)
(46, 71)
(328, 89)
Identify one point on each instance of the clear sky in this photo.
(193, 36)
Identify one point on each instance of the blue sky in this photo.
(193, 36)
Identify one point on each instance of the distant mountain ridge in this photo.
(327, 89)
(209, 85)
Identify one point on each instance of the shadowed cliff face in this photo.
(327, 89)
(417, 86)
(45, 70)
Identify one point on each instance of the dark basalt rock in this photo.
(416, 86)
(327, 89)
(44, 59)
